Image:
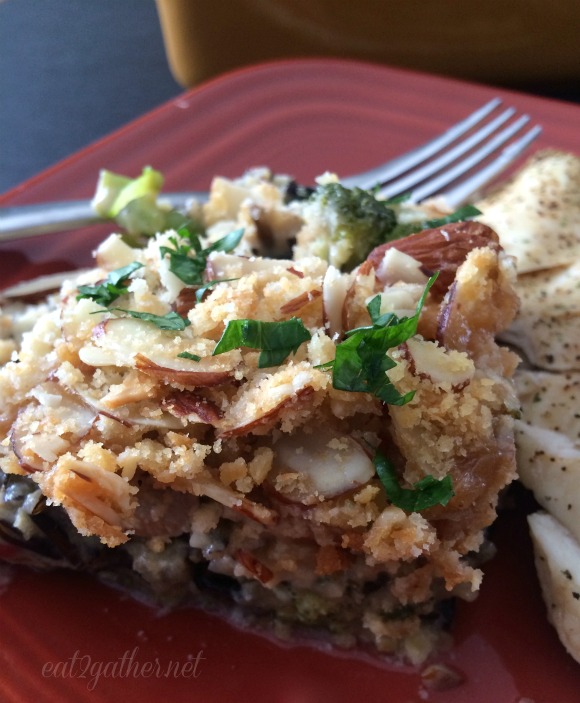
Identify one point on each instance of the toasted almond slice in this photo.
(131, 414)
(441, 249)
(116, 340)
(27, 448)
(438, 364)
(37, 288)
(136, 344)
(236, 501)
(47, 426)
(300, 301)
(255, 567)
(187, 404)
(334, 289)
(397, 267)
(187, 299)
(180, 376)
(134, 388)
(262, 423)
(310, 468)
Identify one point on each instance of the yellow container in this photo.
(505, 42)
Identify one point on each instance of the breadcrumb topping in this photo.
(141, 433)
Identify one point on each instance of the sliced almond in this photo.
(188, 404)
(441, 249)
(334, 289)
(137, 344)
(396, 267)
(441, 366)
(295, 304)
(229, 498)
(47, 426)
(267, 419)
(254, 566)
(310, 468)
(133, 414)
(184, 377)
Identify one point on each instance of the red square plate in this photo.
(66, 638)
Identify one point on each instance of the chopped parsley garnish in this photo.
(396, 199)
(462, 213)
(170, 321)
(404, 229)
(227, 243)
(112, 287)
(189, 355)
(361, 360)
(275, 340)
(426, 493)
(187, 258)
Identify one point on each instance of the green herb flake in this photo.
(275, 340)
(188, 269)
(112, 288)
(189, 355)
(190, 232)
(170, 321)
(404, 229)
(326, 366)
(188, 260)
(361, 362)
(462, 213)
(227, 243)
(426, 493)
(396, 199)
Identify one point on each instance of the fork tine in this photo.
(436, 184)
(406, 183)
(31, 220)
(396, 167)
(469, 187)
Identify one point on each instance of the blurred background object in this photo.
(71, 71)
(513, 43)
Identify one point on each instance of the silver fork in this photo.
(464, 166)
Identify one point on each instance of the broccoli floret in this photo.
(349, 224)
(345, 225)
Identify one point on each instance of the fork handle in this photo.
(20, 221)
(31, 220)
